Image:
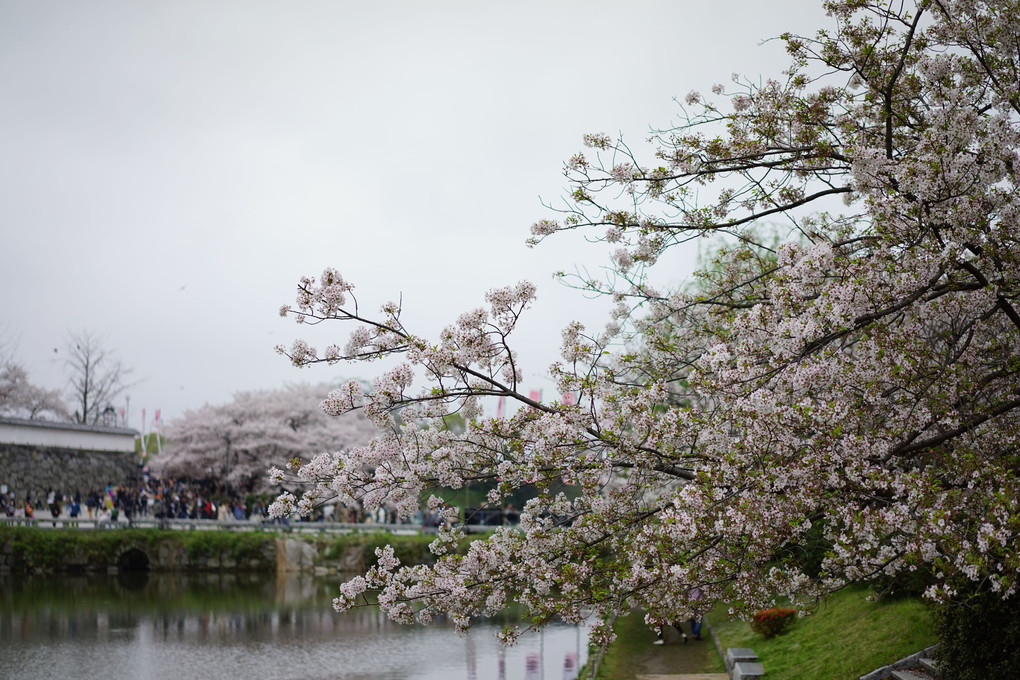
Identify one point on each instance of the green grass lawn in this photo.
(845, 638)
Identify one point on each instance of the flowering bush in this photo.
(772, 622)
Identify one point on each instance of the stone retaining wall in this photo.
(40, 550)
(37, 469)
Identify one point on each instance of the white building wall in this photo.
(71, 438)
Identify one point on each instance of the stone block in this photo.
(747, 670)
(295, 555)
(737, 654)
(929, 666)
(908, 675)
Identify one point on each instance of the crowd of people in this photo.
(170, 498)
(150, 497)
(202, 499)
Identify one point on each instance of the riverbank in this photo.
(851, 633)
(34, 550)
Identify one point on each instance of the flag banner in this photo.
(535, 395)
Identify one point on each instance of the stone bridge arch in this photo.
(133, 558)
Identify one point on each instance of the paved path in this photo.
(674, 660)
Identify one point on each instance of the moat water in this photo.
(155, 626)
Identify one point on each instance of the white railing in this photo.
(150, 522)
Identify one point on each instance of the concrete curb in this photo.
(908, 661)
(715, 638)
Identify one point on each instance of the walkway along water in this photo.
(44, 520)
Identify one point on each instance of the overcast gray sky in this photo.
(170, 168)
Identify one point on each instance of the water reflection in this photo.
(158, 626)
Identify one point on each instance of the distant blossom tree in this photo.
(855, 384)
(239, 441)
(19, 398)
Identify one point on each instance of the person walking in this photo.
(658, 634)
(695, 620)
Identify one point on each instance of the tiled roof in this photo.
(73, 427)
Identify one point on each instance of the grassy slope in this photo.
(846, 638)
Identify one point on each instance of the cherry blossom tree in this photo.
(238, 441)
(843, 372)
(20, 398)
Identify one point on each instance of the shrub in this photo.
(772, 622)
(979, 637)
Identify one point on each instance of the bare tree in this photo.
(97, 376)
